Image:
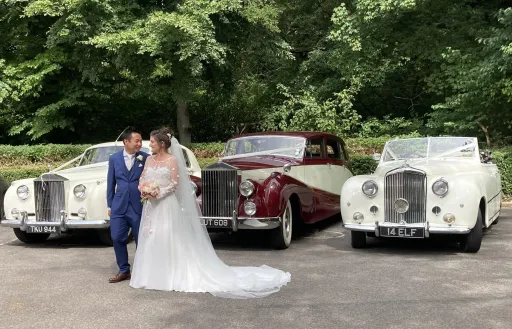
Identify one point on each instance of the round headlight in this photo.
(401, 206)
(79, 191)
(250, 208)
(15, 213)
(440, 187)
(82, 213)
(246, 188)
(370, 188)
(358, 217)
(22, 192)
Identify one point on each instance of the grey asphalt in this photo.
(62, 283)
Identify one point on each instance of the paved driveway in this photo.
(406, 284)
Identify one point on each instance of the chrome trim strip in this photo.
(450, 230)
(428, 229)
(70, 224)
(247, 223)
(356, 227)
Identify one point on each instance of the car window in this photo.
(268, 144)
(102, 154)
(187, 160)
(333, 149)
(315, 148)
(342, 152)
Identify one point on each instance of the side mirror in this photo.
(486, 156)
(376, 156)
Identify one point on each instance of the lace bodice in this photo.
(164, 173)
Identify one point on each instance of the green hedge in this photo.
(205, 162)
(503, 158)
(13, 173)
(37, 154)
(18, 162)
(10, 174)
(362, 164)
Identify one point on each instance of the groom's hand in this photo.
(109, 212)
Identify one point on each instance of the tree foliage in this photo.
(82, 70)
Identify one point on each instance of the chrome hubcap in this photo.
(287, 223)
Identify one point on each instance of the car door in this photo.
(493, 189)
(318, 175)
(337, 162)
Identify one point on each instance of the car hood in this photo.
(430, 166)
(89, 172)
(259, 162)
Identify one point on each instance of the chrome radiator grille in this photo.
(219, 192)
(411, 186)
(50, 200)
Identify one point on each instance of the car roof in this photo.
(119, 143)
(305, 134)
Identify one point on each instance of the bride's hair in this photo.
(163, 135)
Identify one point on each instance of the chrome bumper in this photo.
(243, 223)
(64, 224)
(428, 228)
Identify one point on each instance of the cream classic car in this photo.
(64, 200)
(421, 187)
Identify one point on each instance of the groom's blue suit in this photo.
(124, 203)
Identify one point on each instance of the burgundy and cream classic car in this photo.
(274, 181)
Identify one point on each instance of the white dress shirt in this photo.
(128, 159)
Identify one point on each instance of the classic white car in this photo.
(64, 200)
(421, 187)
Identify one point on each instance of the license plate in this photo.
(402, 232)
(42, 229)
(210, 222)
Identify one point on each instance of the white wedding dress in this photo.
(174, 250)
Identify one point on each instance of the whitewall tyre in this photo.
(282, 236)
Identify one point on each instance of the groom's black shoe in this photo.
(120, 277)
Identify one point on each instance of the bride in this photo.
(174, 250)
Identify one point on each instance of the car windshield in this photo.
(102, 154)
(435, 147)
(269, 145)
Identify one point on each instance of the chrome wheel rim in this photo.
(287, 224)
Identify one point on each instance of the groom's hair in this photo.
(127, 134)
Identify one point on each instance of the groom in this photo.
(123, 197)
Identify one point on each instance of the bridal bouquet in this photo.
(148, 188)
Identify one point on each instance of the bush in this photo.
(207, 150)
(19, 162)
(11, 174)
(503, 159)
(38, 154)
(362, 165)
(205, 162)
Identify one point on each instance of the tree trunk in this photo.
(485, 129)
(183, 122)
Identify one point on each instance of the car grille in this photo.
(411, 186)
(219, 192)
(49, 198)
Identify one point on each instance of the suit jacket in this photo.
(126, 181)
